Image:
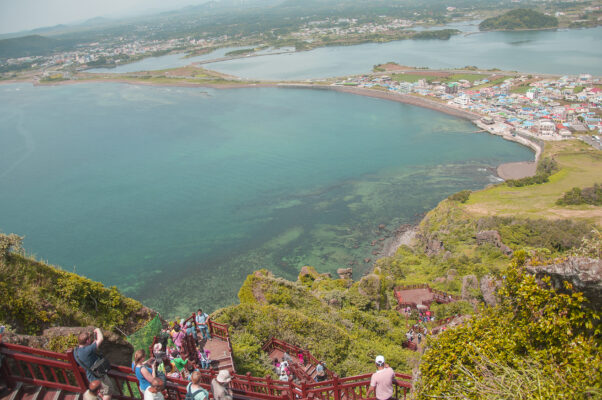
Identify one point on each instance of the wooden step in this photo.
(57, 394)
(38, 394)
(16, 394)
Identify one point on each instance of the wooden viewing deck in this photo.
(414, 295)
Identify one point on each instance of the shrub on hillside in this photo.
(589, 195)
(461, 197)
(555, 235)
(36, 296)
(533, 328)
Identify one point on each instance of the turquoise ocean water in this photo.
(163, 191)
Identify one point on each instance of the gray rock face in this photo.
(585, 274)
(469, 282)
(433, 247)
(489, 287)
(495, 239)
(345, 273)
(369, 286)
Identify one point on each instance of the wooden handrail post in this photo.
(248, 382)
(270, 386)
(291, 392)
(196, 328)
(81, 382)
(336, 387)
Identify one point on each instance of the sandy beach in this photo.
(516, 170)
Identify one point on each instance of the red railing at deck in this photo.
(293, 351)
(219, 331)
(60, 371)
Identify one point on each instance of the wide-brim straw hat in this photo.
(224, 376)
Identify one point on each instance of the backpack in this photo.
(191, 395)
(99, 368)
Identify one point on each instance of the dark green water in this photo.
(176, 194)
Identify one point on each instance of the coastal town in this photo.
(544, 108)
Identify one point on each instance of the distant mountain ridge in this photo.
(31, 45)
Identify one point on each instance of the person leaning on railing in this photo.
(382, 380)
(86, 355)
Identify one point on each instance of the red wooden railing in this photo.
(219, 331)
(60, 371)
(293, 351)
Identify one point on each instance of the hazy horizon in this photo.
(34, 14)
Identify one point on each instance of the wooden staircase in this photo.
(30, 392)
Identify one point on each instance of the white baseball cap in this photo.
(380, 360)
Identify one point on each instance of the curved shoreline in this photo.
(432, 105)
(385, 95)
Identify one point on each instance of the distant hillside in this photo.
(32, 45)
(519, 19)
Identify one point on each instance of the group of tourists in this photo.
(178, 354)
(169, 361)
(286, 373)
(417, 332)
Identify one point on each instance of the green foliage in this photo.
(10, 243)
(248, 355)
(53, 78)
(461, 196)
(461, 307)
(61, 344)
(590, 246)
(589, 195)
(532, 326)
(547, 166)
(519, 19)
(557, 235)
(441, 34)
(143, 337)
(239, 52)
(245, 294)
(347, 337)
(532, 381)
(37, 296)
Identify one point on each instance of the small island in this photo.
(519, 19)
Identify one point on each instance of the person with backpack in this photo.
(220, 386)
(194, 391)
(201, 321)
(96, 366)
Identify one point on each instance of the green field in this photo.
(412, 77)
(580, 166)
(520, 89)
